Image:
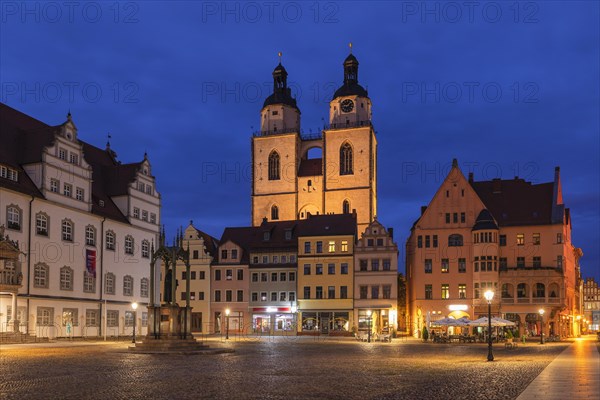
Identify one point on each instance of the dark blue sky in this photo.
(507, 88)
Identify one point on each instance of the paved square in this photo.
(273, 368)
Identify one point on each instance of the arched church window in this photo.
(346, 207)
(274, 166)
(346, 162)
(274, 212)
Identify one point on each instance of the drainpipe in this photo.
(29, 259)
(101, 273)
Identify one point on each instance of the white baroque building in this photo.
(85, 224)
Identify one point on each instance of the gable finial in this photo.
(108, 137)
(350, 45)
(279, 55)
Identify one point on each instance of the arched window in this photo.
(66, 278)
(144, 283)
(522, 290)
(346, 207)
(110, 240)
(507, 291)
(553, 290)
(274, 166)
(540, 290)
(128, 244)
(90, 235)
(346, 166)
(13, 217)
(40, 275)
(67, 230)
(455, 240)
(274, 212)
(109, 283)
(127, 285)
(145, 249)
(41, 224)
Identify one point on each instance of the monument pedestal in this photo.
(169, 331)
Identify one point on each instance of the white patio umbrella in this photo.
(443, 322)
(501, 322)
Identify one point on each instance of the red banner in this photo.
(90, 262)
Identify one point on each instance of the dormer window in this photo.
(267, 235)
(73, 158)
(62, 154)
(9, 173)
(149, 189)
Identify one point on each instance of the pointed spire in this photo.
(454, 163)
(108, 137)
(279, 54)
(69, 115)
(145, 155)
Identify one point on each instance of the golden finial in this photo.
(279, 54)
(350, 45)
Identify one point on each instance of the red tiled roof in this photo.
(517, 202)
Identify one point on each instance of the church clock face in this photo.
(347, 105)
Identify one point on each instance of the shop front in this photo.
(273, 320)
(326, 322)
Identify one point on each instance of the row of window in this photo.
(275, 296)
(539, 290)
(226, 254)
(274, 259)
(331, 292)
(144, 215)
(275, 276)
(455, 218)
(385, 264)
(192, 296)
(67, 189)
(454, 240)
(445, 265)
(144, 187)
(386, 291)
(73, 158)
(331, 246)
(41, 279)
(45, 317)
(229, 274)
(445, 291)
(201, 275)
(331, 269)
(229, 296)
(487, 263)
(9, 173)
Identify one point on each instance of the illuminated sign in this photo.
(458, 307)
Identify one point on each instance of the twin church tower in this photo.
(287, 184)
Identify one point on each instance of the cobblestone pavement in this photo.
(279, 368)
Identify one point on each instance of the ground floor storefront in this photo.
(326, 321)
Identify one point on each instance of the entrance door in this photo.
(196, 322)
(325, 325)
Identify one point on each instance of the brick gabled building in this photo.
(510, 236)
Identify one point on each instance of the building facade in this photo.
(287, 184)
(85, 224)
(376, 280)
(479, 236)
(591, 305)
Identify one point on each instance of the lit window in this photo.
(520, 239)
(344, 246)
(332, 247)
(346, 162)
(274, 167)
(445, 291)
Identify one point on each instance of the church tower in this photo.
(350, 151)
(287, 184)
(274, 154)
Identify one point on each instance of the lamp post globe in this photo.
(489, 295)
(134, 306)
(541, 311)
(227, 311)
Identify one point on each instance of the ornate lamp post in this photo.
(369, 331)
(134, 305)
(541, 311)
(227, 324)
(489, 295)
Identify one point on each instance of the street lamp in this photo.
(227, 324)
(369, 331)
(489, 295)
(541, 311)
(134, 305)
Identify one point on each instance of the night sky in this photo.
(506, 88)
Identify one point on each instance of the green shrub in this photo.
(509, 334)
(425, 334)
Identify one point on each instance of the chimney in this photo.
(496, 186)
(265, 220)
(423, 208)
(470, 177)
(391, 232)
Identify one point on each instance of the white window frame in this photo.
(90, 235)
(66, 278)
(67, 230)
(129, 243)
